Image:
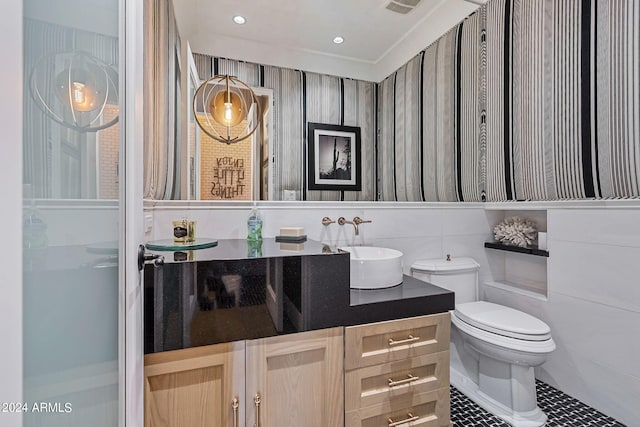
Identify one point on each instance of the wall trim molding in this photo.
(151, 205)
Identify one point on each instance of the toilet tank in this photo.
(459, 275)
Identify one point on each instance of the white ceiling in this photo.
(299, 33)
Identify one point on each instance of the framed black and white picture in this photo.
(333, 157)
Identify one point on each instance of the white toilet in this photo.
(493, 348)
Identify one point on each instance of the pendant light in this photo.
(221, 106)
(81, 87)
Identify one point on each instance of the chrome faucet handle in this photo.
(358, 220)
(326, 221)
(343, 221)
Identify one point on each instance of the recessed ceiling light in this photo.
(239, 19)
(338, 40)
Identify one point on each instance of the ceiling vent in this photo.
(402, 6)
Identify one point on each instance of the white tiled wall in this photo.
(94, 221)
(593, 273)
(593, 307)
(418, 230)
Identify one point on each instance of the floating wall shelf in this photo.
(508, 248)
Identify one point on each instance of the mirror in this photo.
(294, 98)
(71, 136)
(302, 97)
(216, 171)
(238, 171)
(174, 148)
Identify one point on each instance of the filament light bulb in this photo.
(227, 109)
(228, 112)
(79, 96)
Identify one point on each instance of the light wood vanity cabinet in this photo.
(388, 373)
(195, 386)
(289, 380)
(398, 371)
(299, 378)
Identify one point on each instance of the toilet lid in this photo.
(503, 320)
(442, 266)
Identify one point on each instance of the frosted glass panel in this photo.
(71, 212)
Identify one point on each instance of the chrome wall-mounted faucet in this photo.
(356, 222)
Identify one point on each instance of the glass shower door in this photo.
(74, 213)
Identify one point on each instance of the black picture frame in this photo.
(333, 157)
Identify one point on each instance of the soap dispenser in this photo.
(254, 225)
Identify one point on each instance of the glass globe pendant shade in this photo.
(79, 89)
(226, 109)
(73, 88)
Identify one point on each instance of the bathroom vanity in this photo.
(239, 335)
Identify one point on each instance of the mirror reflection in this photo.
(180, 161)
(234, 171)
(71, 105)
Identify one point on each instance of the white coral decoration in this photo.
(515, 231)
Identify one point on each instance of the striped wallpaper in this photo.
(563, 91)
(429, 120)
(301, 97)
(523, 100)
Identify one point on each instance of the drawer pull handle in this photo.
(410, 378)
(234, 404)
(406, 420)
(409, 339)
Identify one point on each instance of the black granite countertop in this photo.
(412, 297)
(226, 296)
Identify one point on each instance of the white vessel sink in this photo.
(373, 267)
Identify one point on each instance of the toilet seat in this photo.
(503, 341)
(501, 320)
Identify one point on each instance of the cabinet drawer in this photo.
(384, 342)
(429, 409)
(373, 385)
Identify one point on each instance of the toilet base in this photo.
(533, 418)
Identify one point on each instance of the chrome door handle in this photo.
(145, 258)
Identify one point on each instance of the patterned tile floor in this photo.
(562, 411)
